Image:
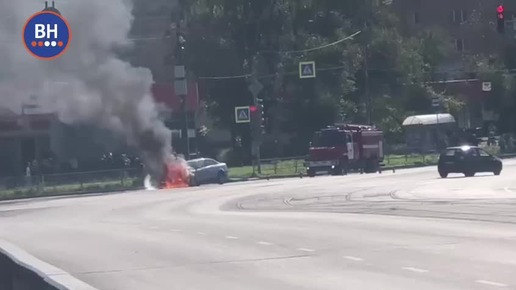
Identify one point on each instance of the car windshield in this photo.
(195, 164)
(327, 138)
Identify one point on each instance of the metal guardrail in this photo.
(68, 183)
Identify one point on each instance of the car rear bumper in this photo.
(321, 166)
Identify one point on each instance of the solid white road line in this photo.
(231, 238)
(305, 250)
(264, 243)
(491, 283)
(356, 259)
(201, 233)
(417, 270)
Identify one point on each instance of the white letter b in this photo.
(39, 30)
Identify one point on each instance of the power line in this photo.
(316, 48)
(340, 67)
(286, 52)
(269, 75)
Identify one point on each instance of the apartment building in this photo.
(471, 26)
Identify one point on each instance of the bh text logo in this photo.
(46, 35)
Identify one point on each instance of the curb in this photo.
(50, 274)
(71, 194)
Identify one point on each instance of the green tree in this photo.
(268, 38)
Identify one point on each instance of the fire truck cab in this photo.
(343, 147)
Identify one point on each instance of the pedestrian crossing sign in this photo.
(242, 114)
(307, 70)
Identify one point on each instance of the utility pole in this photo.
(180, 78)
(251, 48)
(367, 38)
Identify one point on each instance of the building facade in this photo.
(471, 28)
(471, 24)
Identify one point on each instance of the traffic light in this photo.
(180, 46)
(261, 114)
(500, 18)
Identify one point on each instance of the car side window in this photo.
(451, 152)
(483, 153)
(209, 162)
(473, 152)
(194, 164)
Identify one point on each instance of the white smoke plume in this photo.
(89, 84)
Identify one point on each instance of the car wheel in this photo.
(443, 174)
(497, 172)
(469, 174)
(337, 171)
(221, 177)
(310, 173)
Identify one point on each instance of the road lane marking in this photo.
(417, 270)
(305, 250)
(175, 230)
(201, 233)
(507, 190)
(356, 259)
(264, 243)
(491, 283)
(231, 238)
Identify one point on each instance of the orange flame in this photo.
(175, 176)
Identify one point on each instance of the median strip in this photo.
(20, 268)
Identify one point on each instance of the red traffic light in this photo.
(500, 9)
(253, 109)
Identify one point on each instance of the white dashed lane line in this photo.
(201, 233)
(351, 258)
(231, 238)
(305, 250)
(264, 243)
(491, 283)
(416, 270)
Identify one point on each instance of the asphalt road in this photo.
(403, 230)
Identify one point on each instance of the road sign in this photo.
(242, 114)
(486, 86)
(47, 34)
(436, 102)
(180, 87)
(307, 70)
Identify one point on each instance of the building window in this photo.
(458, 16)
(416, 18)
(459, 45)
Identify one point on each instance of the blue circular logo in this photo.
(46, 35)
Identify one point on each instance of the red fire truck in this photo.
(344, 147)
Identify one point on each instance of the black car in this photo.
(468, 160)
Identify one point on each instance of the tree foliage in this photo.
(268, 38)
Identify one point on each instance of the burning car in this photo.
(176, 174)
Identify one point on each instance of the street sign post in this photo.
(307, 70)
(436, 102)
(486, 86)
(242, 115)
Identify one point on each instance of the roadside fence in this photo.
(69, 183)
